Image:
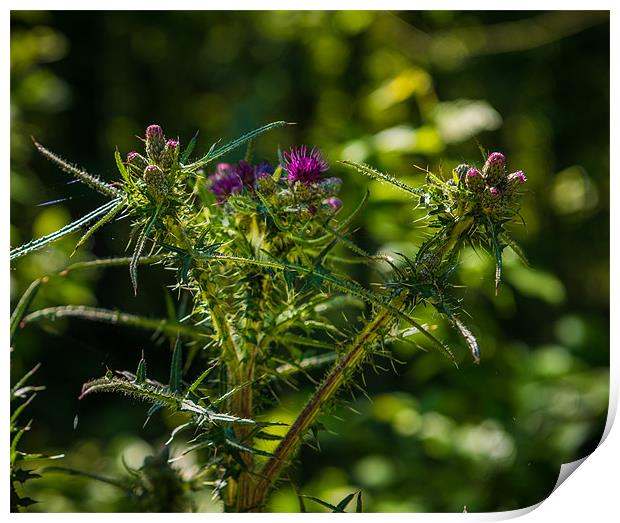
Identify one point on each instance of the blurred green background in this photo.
(396, 89)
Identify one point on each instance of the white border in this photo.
(589, 494)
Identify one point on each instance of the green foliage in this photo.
(22, 395)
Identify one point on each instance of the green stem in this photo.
(308, 416)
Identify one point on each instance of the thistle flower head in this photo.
(494, 169)
(131, 156)
(170, 154)
(154, 132)
(496, 159)
(246, 173)
(155, 142)
(224, 182)
(517, 178)
(303, 166)
(474, 179)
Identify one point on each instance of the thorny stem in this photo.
(308, 416)
(243, 400)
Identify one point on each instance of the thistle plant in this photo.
(250, 245)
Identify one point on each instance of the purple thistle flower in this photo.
(302, 166)
(245, 172)
(517, 178)
(131, 156)
(263, 169)
(473, 172)
(172, 144)
(224, 182)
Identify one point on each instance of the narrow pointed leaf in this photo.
(176, 367)
(345, 502)
(141, 372)
(111, 214)
(516, 248)
(220, 151)
(111, 262)
(121, 166)
(133, 265)
(23, 380)
(379, 176)
(189, 149)
(39, 243)
(92, 181)
(22, 306)
(358, 505)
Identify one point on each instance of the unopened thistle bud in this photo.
(155, 182)
(306, 212)
(494, 169)
(155, 142)
(474, 179)
(284, 198)
(171, 153)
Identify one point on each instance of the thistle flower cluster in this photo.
(300, 191)
(156, 166)
(492, 187)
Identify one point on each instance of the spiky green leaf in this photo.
(22, 307)
(39, 243)
(381, 177)
(88, 179)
